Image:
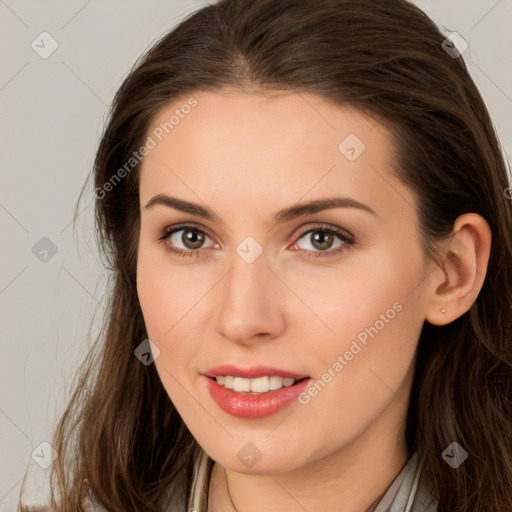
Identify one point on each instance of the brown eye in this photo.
(185, 240)
(324, 241)
(192, 238)
(321, 240)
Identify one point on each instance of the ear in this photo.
(456, 285)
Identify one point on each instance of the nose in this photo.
(250, 303)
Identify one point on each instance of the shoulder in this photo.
(88, 503)
(33, 508)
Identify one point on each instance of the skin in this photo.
(245, 156)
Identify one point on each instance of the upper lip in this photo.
(252, 372)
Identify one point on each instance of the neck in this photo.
(352, 479)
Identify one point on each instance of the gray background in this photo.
(52, 113)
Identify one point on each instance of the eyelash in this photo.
(348, 241)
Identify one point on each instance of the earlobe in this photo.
(457, 284)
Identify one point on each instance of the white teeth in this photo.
(276, 383)
(240, 384)
(258, 385)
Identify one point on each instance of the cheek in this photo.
(371, 317)
(151, 291)
(164, 306)
(166, 294)
(172, 299)
(368, 288)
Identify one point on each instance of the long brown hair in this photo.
(120, 432)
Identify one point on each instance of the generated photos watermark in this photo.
(152, 141)
(343, 360)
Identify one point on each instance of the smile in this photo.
(255, 392)
(258, 385)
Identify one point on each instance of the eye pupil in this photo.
(322, 240)
(192, 239)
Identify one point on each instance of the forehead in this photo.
(267, 147)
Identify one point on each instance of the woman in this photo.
(305, 210)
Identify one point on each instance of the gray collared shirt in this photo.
(404, 494)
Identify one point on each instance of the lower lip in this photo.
(244, 405)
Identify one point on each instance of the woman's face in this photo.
(332, 294)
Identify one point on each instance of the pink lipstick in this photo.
(255, 392)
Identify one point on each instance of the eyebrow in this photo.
(284, 215)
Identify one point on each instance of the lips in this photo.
(252, 405)
(253, 372)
